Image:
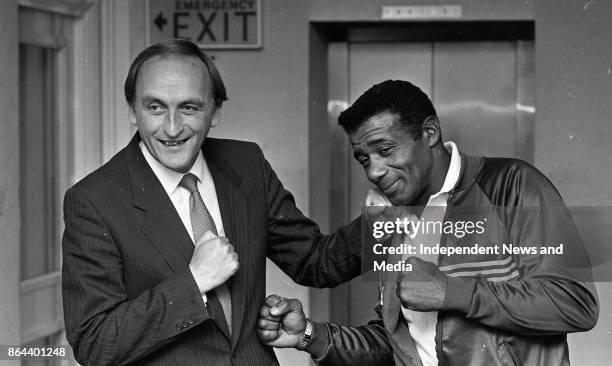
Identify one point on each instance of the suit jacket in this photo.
(129, 297)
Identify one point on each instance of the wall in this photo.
(9, 176)
(574, 89)
(574, 128)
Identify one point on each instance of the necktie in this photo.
(201, 222)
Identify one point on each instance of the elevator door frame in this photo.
(329, 95)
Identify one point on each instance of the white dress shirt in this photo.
(180, 196)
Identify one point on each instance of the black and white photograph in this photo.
(306, 182)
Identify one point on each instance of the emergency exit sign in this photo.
(208, 23)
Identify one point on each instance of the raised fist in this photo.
(213, 261)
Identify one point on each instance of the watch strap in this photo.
(306, 338)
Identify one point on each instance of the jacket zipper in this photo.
(439, 327)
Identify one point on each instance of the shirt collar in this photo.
(452, 176)
(168, 177)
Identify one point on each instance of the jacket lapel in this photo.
(233, 207)
(161, 223)
(391, 303)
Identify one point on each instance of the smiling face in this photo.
(400, 166)
(174, 109)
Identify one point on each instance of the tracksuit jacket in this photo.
(499, 309)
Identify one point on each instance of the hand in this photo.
(423, 288)
(281, 322)
(376, 205)
(213, 261)
(378, 210)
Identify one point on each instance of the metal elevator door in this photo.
(483, 93)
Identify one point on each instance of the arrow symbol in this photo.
(160, 21)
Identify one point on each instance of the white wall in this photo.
(574, 128)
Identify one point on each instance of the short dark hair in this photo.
(178, 47)
(394, 96)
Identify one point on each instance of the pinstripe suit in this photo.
(129, 297)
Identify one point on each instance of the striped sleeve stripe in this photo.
(484, 272)
(505, 278)
(500, 262)
(512, 275)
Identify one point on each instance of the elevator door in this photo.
(482, 92)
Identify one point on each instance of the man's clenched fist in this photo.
(281, 322)
(423, 288)
(213, 261)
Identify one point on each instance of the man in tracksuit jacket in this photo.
(507, 304)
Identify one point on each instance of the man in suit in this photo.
(489, 307)
(165, 245)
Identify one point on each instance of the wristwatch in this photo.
(306, 337)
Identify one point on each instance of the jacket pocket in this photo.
(505, 349)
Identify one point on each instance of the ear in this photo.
(216, 116)
(431, 131)
(132, 116)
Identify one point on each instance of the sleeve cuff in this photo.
(186, 279)
(320, 345)
(459, 293)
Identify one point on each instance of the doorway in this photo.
(480, 78)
